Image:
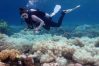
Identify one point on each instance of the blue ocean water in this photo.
(88, 13)
(83, 22)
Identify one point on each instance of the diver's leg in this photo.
(60, 19)
(54, 24)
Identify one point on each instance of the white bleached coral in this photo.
(96, 60)
(46, 58)
(50, 64)
(61, 61)
(82, 56)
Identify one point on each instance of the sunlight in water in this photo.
(31, 2)
(35, 2)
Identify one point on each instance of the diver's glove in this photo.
(36, 30)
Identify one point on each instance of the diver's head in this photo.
(23, 13)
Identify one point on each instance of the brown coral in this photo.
(4, 54)
(11, 54)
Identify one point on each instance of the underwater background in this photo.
(75, 43)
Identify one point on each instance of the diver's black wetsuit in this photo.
(48, 21)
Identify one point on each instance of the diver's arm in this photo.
(37, 19)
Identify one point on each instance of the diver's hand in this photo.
(36, 30)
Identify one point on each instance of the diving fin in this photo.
(56, 10)
(70, 10)
(76, 7)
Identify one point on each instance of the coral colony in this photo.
(26, 49)
(49, 49)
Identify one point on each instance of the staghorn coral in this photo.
(11, 54)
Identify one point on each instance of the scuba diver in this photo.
(35, 19)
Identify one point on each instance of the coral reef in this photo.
(86, 30)
(48, 50)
